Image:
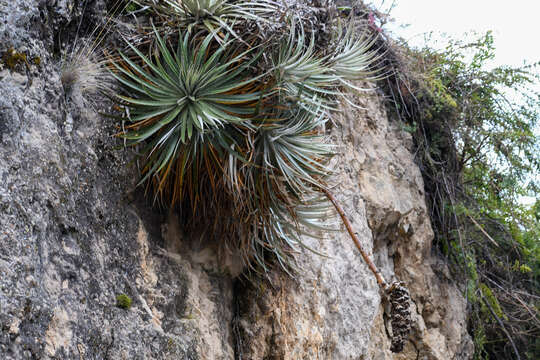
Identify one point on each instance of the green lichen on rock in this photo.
(123, 301)
(12, 58)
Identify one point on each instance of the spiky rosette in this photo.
(232, 134)
(214, 16)
(182, 103)
(287, 163)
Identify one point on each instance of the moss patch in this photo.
(123, 301)
(12, 58)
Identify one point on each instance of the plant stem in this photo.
(370, 264)
(501, 324)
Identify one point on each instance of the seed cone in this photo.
(400, 315)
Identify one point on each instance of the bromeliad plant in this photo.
(232, 129)
(303, 77)
(181, 101)
(211, 15)
(286, 166)
(233, 134)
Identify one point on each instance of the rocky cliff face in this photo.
(75, 233)
(334, 310)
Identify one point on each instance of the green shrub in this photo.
(479, 155)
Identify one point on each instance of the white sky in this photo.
(515, 24)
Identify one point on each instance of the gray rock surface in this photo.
(75, 233)
(334, 310)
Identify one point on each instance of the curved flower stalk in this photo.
(396, 294)
(181, 99)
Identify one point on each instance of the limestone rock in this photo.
(334, 309)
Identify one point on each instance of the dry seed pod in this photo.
(400, 315)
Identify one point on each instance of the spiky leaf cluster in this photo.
(231, 130)
(211, 15)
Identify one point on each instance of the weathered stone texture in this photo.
(72, 237)
(334, 310)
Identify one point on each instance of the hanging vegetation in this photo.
(227, 102)
(475, 143)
